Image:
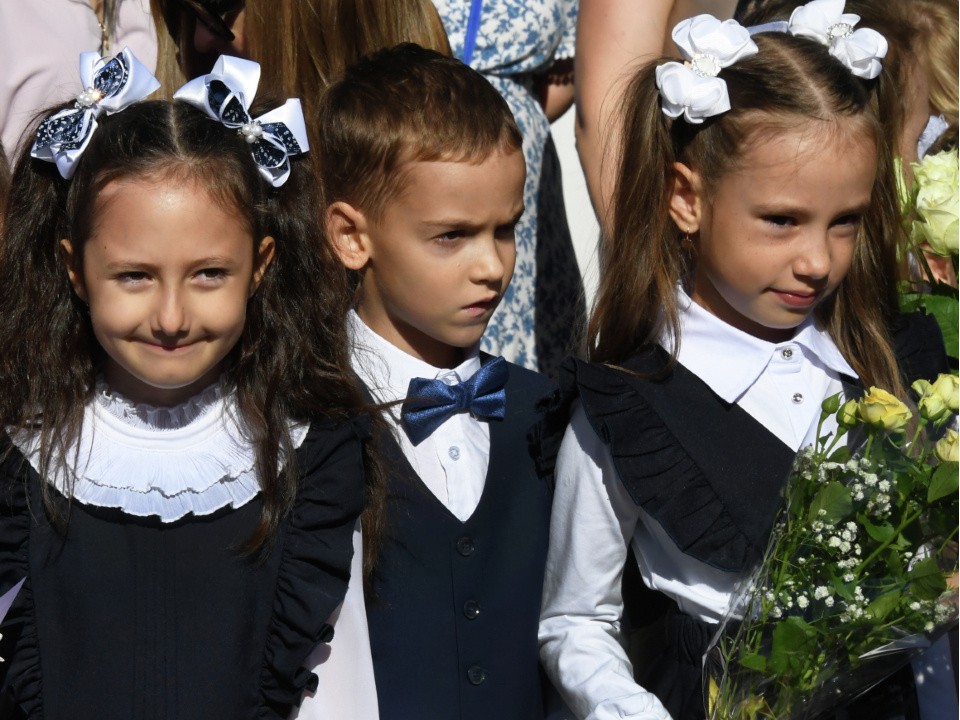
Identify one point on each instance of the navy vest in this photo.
(454, 612)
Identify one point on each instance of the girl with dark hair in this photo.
(743, 283)
(183, 464)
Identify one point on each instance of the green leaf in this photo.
(926, 580)
(894, 563)
(881, 533)
(944, 309)
(793, 642)
(754, 661)
(945, 481)
(841, 454)
(884, 605)
(834, 499)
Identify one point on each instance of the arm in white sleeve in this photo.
(346, 688)
(591, 526)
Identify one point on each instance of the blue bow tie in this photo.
(430, 402)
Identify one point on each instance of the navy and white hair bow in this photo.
(226, 94)
(109, 85)
(430, 402)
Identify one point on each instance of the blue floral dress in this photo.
(516, 41)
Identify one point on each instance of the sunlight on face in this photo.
(166, 273)
(442, 255)
(777, 235)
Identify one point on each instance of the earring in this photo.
(687, 242)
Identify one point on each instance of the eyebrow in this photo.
(463, 223)
(212, 261)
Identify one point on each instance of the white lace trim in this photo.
(158, 461)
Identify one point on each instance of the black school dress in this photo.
(136, 618)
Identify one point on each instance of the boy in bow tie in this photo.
(423, 174)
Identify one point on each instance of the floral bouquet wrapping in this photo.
(859, 575)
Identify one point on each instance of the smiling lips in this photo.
(802, 299)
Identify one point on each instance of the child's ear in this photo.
(265, 255)
(74, 273)
(347, 230)
(685, 190)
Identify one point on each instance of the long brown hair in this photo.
(291, 360)
(303, 46)
(789, 80)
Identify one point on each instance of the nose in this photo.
(814, 261)
(171, 318)
(490, 264)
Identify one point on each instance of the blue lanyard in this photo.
(473, 24)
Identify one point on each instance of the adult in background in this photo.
(525, 49)
(40, 42)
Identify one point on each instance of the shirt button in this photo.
(797, 398)
(465, 546)
(471, 609)
(454, 452)
(476, 674)
(786, 353)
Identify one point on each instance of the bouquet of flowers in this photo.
(855, 579)
(930, 210)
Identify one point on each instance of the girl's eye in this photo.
(212, 274)
(850, 221)
(133, 277)
(780, 220)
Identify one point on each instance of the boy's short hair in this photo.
(400, 105)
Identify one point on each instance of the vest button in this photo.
(465, 546)
(471, 609)
(476, 674)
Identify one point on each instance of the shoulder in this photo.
(524, 385)
(919, 346)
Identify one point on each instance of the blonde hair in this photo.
(937, 23)
(788, 81)
(304, 46)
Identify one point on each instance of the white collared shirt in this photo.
(453, 461)
(594, 519)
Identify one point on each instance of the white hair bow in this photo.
(226, 94)
(824, 20)
(109, 85)
(692, 89)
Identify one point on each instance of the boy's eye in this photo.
(450, 236)
(506, 232)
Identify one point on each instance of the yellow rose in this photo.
(937, 203)
(932, 405)
(881, 410)
(948, 447)
(847, 415)
(948, 388)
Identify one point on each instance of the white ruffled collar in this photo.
(157, 461)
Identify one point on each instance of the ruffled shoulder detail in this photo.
(317, 548)
(21, 650)
(708, 472)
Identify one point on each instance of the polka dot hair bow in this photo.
(226, 94)
(109, 85)
(824, 20)
(692, 88)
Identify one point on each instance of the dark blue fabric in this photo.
(454, 609)
(430, 402)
